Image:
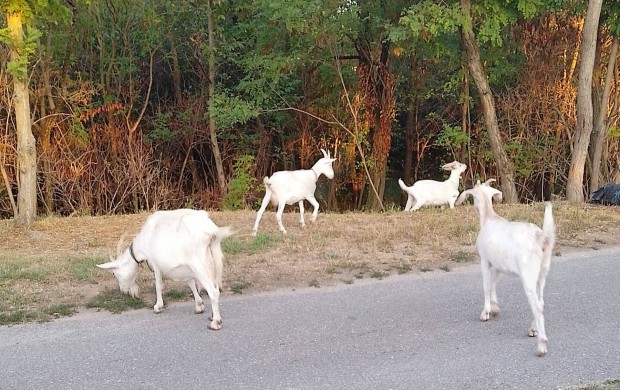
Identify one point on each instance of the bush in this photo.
(240, 186)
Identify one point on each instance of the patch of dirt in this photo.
(339, 248)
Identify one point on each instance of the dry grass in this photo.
(49, 270)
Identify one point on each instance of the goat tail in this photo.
(549, 229)
(215, 246)
(402, 185)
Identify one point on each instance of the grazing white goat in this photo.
(432, 192)
(513, 247)
(289, 187)
(180, 244)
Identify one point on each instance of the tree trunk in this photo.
(574, 185)
(212, 128)
(175, 67)
(379, 90)
(45, 129)
(504, 165)
(26, 146)
(599, 134)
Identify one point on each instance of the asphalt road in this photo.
(405, 332)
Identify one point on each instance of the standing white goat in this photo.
(513, 247)
(289, 187)
(432, 192)
(183, 245)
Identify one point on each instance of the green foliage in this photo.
(231, 110)
(614, 132)
(240, 185)
(452, 137)
(160, 130)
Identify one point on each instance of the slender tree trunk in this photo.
(45, 129)
(212, 127)
(574, 185)
(504, 165)
(26, 146)
(379, 90)
(175, 67)
(599, 134)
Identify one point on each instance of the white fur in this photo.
(432, 192)
(183, 245)
(289, 187)
(513, 247)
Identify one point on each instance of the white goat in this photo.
(289, 187)
(432, 192)
(513, 247)
(183, 245)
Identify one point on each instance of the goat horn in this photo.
(488, 182)
(325, 154)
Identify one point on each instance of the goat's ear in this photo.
(497, 197)
(109, 265)
(462, 197)
(478, 182)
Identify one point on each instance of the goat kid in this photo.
(184, 245)
(432, 192)
(289, 187)
(513, 247)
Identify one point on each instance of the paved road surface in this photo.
(405, 332)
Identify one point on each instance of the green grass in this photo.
(19, 316)
(114, 301)
(61, 310)
(85, 269)
(175, 294)
(445, 268)
(378, 274)
(17, 270)
(403, 269)
(234, 246)
(607, 385)
(238, 287)
(462, 257)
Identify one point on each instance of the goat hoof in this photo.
(532, 333)
(484, 316)
(199, 309)
(253, 233)
(542, 349)
(495, 309)
(215, 325)
(157, 309)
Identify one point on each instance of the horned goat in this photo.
(513, 247)
(184, 245)
(289, 187)
(432, 192)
